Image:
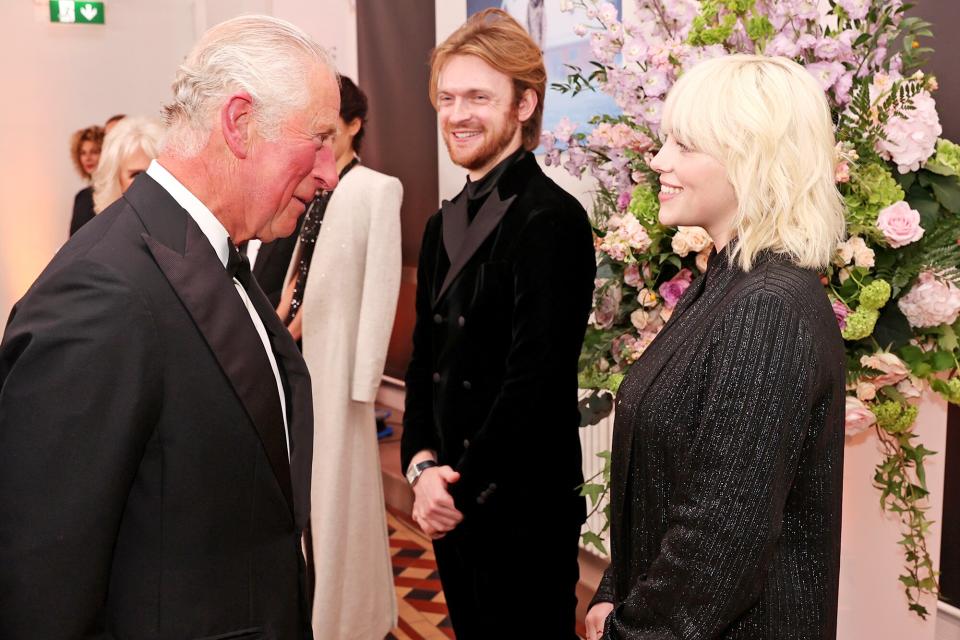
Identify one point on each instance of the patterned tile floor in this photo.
(423, 611)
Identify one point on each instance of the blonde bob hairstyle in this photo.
(132, 134)
(767, 121)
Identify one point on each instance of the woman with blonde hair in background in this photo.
(85, 147)
(727, 455)
(127, 151)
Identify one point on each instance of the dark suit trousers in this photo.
(504, 582)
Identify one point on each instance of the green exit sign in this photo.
(76, 11)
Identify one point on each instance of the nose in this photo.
(325, 169)
(659, 162)
(459, 111)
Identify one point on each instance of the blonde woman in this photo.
(127, 151)
(728, 440)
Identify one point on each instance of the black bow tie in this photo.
(238, 266)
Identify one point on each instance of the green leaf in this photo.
(906, 180)
(892, 328)
(948, 339)
(911, 354)
(595, 408)
(592, 491)
(941, 361)
(590, 538)
(946, 189)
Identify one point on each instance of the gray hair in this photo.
(264, 56)
(130, 135)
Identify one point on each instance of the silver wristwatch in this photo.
(414, 471)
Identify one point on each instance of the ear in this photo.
(236, 123)
(354, 127)
(527, 105)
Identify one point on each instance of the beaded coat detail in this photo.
(727, 465)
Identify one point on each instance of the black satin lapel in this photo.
(489, 216)
(455, 223)
(211, 299)
(300, 406)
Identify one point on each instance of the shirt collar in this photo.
(215, 232)
(482, 187)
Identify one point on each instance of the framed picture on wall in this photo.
(553, 30)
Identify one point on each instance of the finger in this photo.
(448, 474)
(444, 522)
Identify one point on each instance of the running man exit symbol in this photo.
(76, 11)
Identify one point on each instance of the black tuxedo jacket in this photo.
(144, 480)
(502, 306)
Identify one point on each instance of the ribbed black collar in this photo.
(482, 187)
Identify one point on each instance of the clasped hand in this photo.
(433, 507)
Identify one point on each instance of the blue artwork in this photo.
(552, 29)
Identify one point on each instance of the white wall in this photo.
(333, 23)
(59, 78)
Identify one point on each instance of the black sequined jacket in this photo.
(727, 465)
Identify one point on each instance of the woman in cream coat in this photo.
(345, 319)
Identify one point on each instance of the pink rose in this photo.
(908, 388)
(607, 308)
(866, 391)
(631, 275)
(841, 172)
(647, 298)
(703, 258)
(859, 418)
(900, 224)
(931, 302)
(673, 289)
(639, 319)
(841, 311)
(892, 369)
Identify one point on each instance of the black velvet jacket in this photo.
(727, 465)
(492, 384)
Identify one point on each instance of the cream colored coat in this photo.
(348, 310)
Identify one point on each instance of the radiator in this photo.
(593, 440)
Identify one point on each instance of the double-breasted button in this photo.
(481, 499)
(437, 318)
(436, 377)
(492, 487)
(466, 443)
(461, 321)
(467, 385)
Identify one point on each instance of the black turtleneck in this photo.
(477, 191)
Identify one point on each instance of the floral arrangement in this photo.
(894, 283)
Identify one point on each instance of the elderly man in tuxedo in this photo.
(155, 416)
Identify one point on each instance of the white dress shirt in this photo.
(220, 239)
